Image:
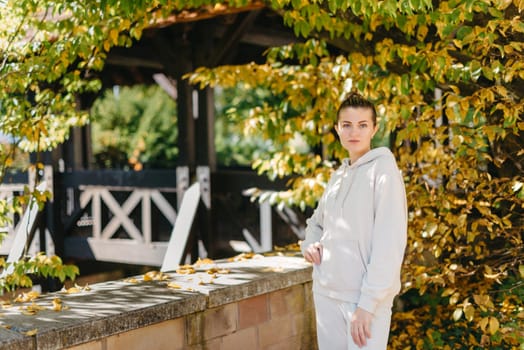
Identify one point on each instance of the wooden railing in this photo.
(111, 214)
(128, 217)
(25, 224)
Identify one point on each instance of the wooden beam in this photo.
(204, 12)
(115, 250)
(232, 37)
(167, 84)
(268, 37)
(163, 179)
(128, 61)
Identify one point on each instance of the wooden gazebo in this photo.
(173, 47)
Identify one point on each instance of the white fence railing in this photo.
(24, 225)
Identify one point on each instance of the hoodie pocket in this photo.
(342, 266)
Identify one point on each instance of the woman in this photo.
(356, 237)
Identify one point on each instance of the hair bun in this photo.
(355, 99)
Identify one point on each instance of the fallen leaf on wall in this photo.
(185, 270)
(32, 309)
(155, 276)
(31, 332)
(174, 285)
(205, 261)
(25, 297)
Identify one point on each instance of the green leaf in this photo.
(405, 84)
(463, 31)
(487, 72)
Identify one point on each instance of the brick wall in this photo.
(282, 319)
(269, 310)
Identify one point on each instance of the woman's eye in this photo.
(363, 126)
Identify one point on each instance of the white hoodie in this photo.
(361, 221)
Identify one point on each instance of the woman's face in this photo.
(355, 128)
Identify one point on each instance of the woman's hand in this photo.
(361, 326)
(313, 253)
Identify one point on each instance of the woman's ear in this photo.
(375, 129)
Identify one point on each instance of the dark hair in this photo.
(356, 100)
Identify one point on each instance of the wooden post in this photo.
(205, 129)
(206, 164)
(186, 125)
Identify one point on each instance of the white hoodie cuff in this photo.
(367, 304)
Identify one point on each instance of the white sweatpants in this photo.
(333, 325)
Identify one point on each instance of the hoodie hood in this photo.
(349, 170)
(368, 157)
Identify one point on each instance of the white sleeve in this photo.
(314, 226)
(388, 241)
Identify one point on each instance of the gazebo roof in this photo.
(209, 36)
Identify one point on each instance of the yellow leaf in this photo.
(457, 314)
(125, 24)
(25, 297)
(174, 285)
(214, 270)
(32, 309)
(242, 257)
(454, 298)
(484, 323)
(493, 325)
(78, 289)
(57, 304)
(205, 261)
(448, 291)
(185, 270)
(31, 332)
(72, 290)
(131, 280)
(113, 35)
(483, 301)
(469, 312)
(155, 276)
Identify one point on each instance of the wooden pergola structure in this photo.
(178, 45)
(173, 47)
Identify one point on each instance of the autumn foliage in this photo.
(448, 77)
